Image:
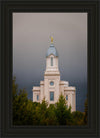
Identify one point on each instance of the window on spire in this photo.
(51, 61)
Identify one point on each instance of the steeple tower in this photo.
(52, 59)
(52, 74)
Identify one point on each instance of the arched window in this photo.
(51, 61)
(37, 97)
(66, 97)
(51, 96)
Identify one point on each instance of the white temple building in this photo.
(52, 87)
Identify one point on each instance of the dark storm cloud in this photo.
(31, 39)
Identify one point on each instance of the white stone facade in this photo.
(52, 86)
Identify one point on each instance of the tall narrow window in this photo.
(51, 96)
(66, 97)
(51, 61)
(37, 97)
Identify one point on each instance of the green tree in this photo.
(52, 119)
(41, 113)
(63, 113)
(78, 118)
(22, 107)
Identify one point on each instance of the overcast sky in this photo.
(31, 39)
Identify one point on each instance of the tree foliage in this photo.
(63, 113)
(26, 112)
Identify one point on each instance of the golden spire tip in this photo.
(51, 39)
